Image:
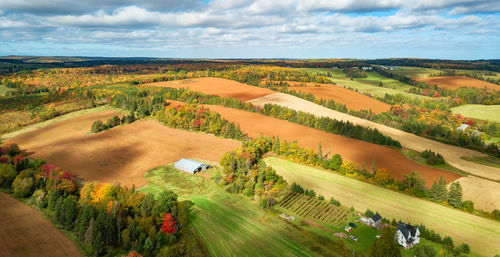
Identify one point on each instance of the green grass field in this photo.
(4, 90)
(368, 85)
(230, 224)
(416, 156)
(415, 72)
(478, 111)
(481, 234)
(484, 160)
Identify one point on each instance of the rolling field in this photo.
(21, 230)
(358, 151)
(454, 82)
(229, 224)
(353, 100)
(311, 207)
(481, 234)
(4, 90)
(370, 84)
(478, 111)
(415, 72)
(122, 154)
(217, 86)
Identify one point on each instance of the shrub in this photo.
(7, 175)
(464, 248)
(495, 214)
(368, 213)
(97, 126)
(468, 206)
(22, 187)
(425, 251)
(13, 150)
(334, 202)
(39, 199)
(448, 242)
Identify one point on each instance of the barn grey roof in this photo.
(376, 217)
(407, 230)
(189, 165)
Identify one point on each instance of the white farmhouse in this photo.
(407, 235)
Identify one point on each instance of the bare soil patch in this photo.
(454, 82)
(353, 100)
(358, 151)
(217, 86)
(24, 232)
(122, 154)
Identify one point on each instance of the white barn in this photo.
(407, 235)
(190, 166)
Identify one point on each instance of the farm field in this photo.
(454, 82)
(353, 100)
(370, 84)
(480, 233)
(122, 154)
(217, 86)
(229, 224)
(478, 111)
(415, 72)
(5, 90)
(451, 153)
(21, 227)
(358, 151)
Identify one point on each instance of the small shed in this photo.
(375, 220)
(190, 166)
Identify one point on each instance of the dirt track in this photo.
(25, 233)
(451, 153)
(454, 82)
(353, 100)
(217, 86)
(360, 152)
(122, 154)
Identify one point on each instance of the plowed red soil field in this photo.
(454, 82)
(351, 99)
(217, 86)
(122, 154)
(355, 150)
(25, 233)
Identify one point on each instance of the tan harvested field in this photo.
(353, 100)
(454, 82)
(217, 86)
(451, 153)
(122, 154)
(481, 234)
(25, 233)
(358, 151)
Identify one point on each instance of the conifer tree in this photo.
(455, 195)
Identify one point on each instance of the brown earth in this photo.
(358, 151)
(353, 100)
(122, 154)
(454, 82)
(217, 86)
(24, 232)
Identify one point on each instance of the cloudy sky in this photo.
(452, 29)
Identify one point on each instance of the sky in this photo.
(444, 29)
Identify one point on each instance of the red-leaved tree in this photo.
(168, 226)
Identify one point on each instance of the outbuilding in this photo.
(375, 220)
(190, 166)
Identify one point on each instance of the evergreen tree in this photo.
(60, 210)
(53, 195)
(386, 246)
(147, 205)
(455, 195)
(70, 212)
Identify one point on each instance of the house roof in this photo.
(407, 230)
(188, 164)
(376, 217)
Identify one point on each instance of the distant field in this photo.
(481, 234)
(4, 90)
(415, 72)
(122, 154)
(353, 100)
(370, 84)
(454, 82)
(229, 224)
(217, 86)
(25, 232)
(478, 111)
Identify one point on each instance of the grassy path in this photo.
(478, 111)
(482, 235)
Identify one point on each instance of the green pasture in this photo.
(415, 72)
(370, 84)
(229, 224)
(478, 111)
(480, 233)
(4, 90)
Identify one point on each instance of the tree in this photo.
(386, 246)
(438, 190)
(147, 205)
(168, 226)
(348, 168)
(468, 206)
(7, 175)
(448, 242)
(455, 195)
(464, 248)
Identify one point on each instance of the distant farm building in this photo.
(366, 68)
(407, 235)
(375, 220)
(463, 127)
(190, 166)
